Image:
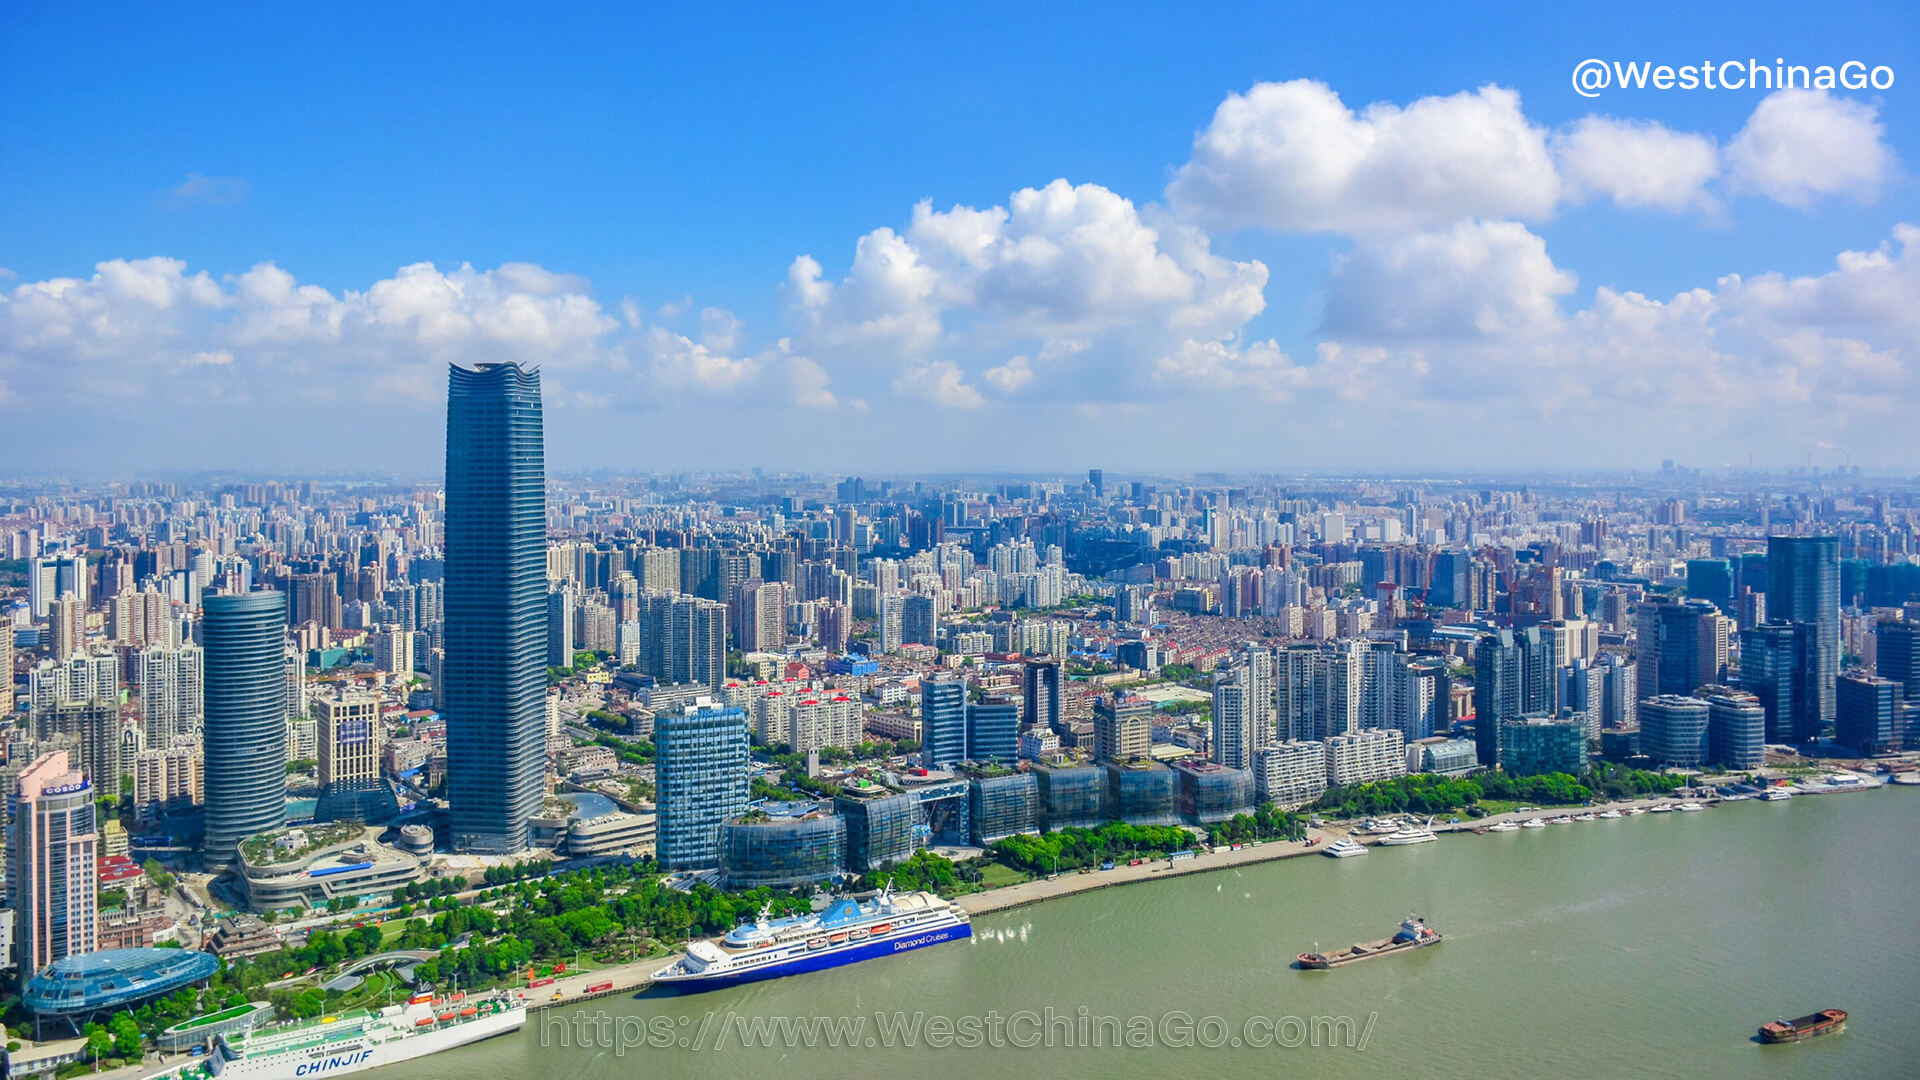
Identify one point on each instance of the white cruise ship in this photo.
(354, 1041)
(846, 932)
(1409, 834)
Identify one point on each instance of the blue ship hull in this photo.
(823, 960)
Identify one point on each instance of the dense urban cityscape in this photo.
(772, 542)
(251, 715)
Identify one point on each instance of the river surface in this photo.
(1653, 945)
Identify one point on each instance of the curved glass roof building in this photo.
(245, 724)
(495, 605)
(79, 988)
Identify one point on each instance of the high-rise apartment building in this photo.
(1514, 677)
(495, 605)
(169, 681)
(245, 718)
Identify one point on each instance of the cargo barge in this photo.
(1414, 934)
(1824, 1022)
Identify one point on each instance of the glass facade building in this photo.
(1803, 591)
(700, 781)
(1513, 676)
(880, 827)
(943, 722)
(993, 730)
(1673, 730)
(1071, 796)
(244, 723)
(1004, 806)
(1867, 713)
(1533, 747)
(495, 605)
(782, 852)
(1143, 793)
(1736, 729)
(1211, 793)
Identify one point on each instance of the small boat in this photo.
(1611, 815)
(1413, 934)
(1663, 808)
(1381, 826)
(1346, 847)
(1561, 820)
(1504, 826)
(1533, 823)
(1776, 795)
(1824, 1022)
(1636, 811)
(859, 934)
(817, 943)
(1586, 817)
(1689, 807)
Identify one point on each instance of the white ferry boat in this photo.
(1776, 795)
(1344, 848)
(846, 932)
(1410, 834)
(354, 1041)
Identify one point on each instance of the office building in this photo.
(1680, 646)
(1533, 746)
(1042, 695)
(560, 627)
(1803, 591)
(1674, 730)
(1771, 669)
(700, 781)
(1514, 677)
(1867, 711)
(1711, 580)
(943, 721)
(1736, 728)
(993, 729)
(349, 737)
(1122, 728)
(495, 616)
(245, 718)
(53, 850)
(1897, 656)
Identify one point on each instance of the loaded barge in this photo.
(1414, 934)
(1824, 1022)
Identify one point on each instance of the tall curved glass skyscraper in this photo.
(245, 718)
(495, 605)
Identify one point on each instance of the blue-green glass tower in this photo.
(1803, 590)
(245, 724)
(495, 605)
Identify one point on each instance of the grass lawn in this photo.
(995, 876)
(1491, 806)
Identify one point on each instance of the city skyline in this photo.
(1311, 249)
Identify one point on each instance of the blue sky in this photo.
(639, 157)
